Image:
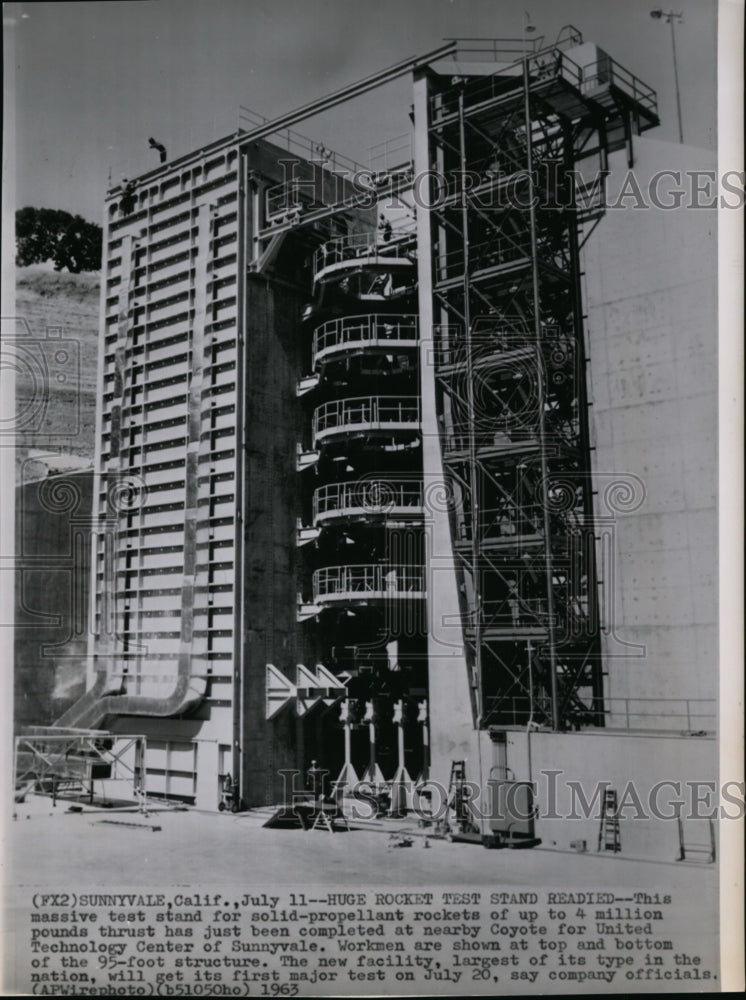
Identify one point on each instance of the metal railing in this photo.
(345, 248)
(369, 496)
(496, 49)
(368, 582)
(392, 154)
(553, 63)
(365, 411)
(357, 331)
(508, 522)
(302, 145)
(509, 433)
(690, 715)
(288, 196)
(544, 62)
(549, 62)
(451, 344)
(515, 612)
(514, 48)
(607, 71)
(496, 252)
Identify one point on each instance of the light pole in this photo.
(528, 29)
(671, 17)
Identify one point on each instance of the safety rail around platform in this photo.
(288, 196)
(499, 49)
(549, 62)
(368, 582)
(510, 522)
(368, 330)
(606, 70)
(509, 433)
(493, 253)
(348, 248)
(545, 64)
(302, 145)
(688, 716)
(488, 341)
(393, 154)
(365, 411)
(367, 496)
(514, 611)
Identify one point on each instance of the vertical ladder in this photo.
(608, 833)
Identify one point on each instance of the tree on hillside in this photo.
(51, 234)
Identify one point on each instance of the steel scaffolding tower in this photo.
(510, 367)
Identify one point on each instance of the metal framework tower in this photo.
(510, 366)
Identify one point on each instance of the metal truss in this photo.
(510, 375)
(54, 762)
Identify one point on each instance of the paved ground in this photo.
(53, 850)
(50, 847)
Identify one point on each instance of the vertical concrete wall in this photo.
(650, 297)
(571, 770)
(271, 484)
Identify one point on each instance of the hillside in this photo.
(56, 369)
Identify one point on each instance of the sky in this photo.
(94, 80)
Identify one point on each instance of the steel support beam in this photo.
(552, 640)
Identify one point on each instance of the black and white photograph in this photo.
(371, 528)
